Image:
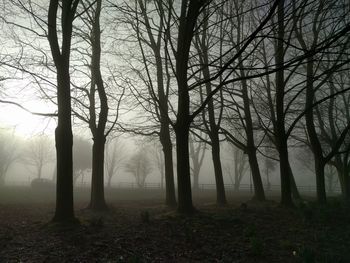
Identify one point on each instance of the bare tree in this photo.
(139, 166)
(115, 157)
(9, 152)
(38, 153)
(60, 45)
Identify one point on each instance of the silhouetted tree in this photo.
(60, 45)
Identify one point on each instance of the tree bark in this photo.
(97, 201)
(63, 134)
(183, 170)
(293, 185)
(170, 199)
(189, 13)
(219, 180)
(282, 140)
(259, 193)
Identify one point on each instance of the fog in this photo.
(174, 131)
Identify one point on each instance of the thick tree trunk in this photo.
(281, 137)
(97, 201)
(320, 182)
(170, 198)
(183, 170)
(347, 187)
(64, 143)
(63, 134)
(286, 192)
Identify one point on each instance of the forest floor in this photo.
(138, 228)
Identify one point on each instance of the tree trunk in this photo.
(187, 21)
(109, 182)
(183, 170)
(97, 201)
(259, 193)
(63, 134)
(320, 181)
(195, 174)
(281, 137)
(293, 185)
(170, 199)
(286, 192)
(64, 143)
(219, 180)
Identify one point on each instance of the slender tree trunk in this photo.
(220, 187)
(97, 201)
(195, 174)
(109, 182)
(293, 185)
(259, 193)
(312, 134)
(165, 138)
(39, 171)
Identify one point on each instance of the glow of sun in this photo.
(27, 124)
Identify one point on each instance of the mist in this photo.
(174, 131)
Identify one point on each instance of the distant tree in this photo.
(9, 152)
(156, 150)
(115, 158)
(38, 152)
(197, 153)
(237, 167)
(139, 165)
(81, 157)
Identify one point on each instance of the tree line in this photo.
(264, 76)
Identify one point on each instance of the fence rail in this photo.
(228, 187)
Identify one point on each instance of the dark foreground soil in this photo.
(141, 229)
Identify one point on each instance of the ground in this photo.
(139, 228)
